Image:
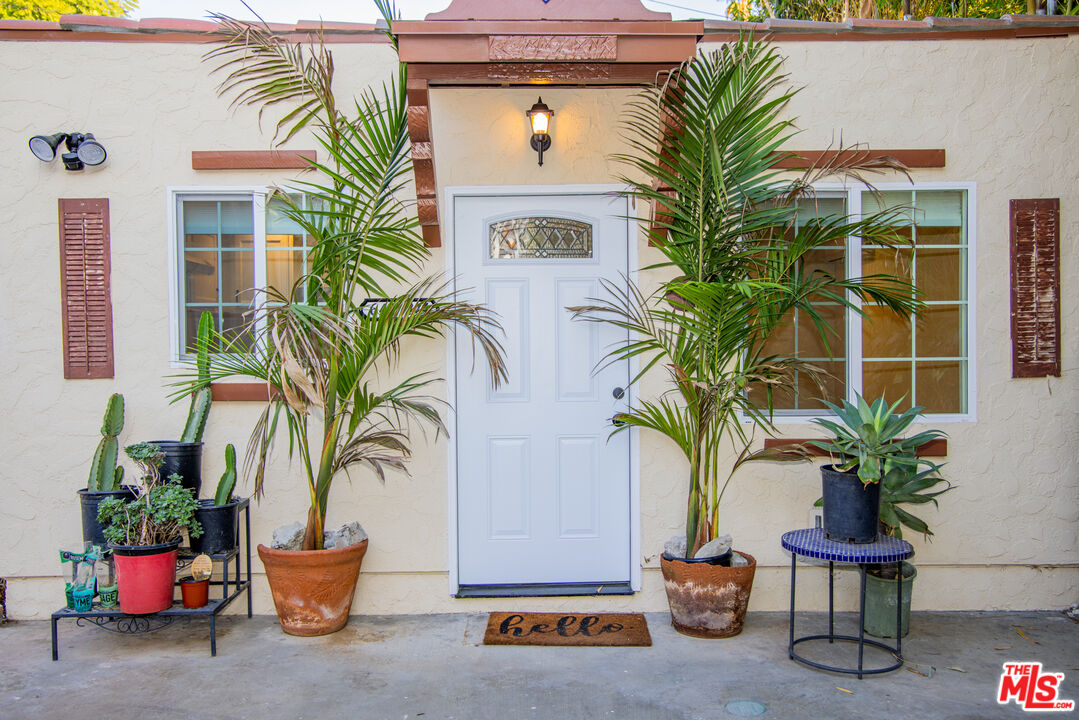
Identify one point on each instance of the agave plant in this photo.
(708, 143)
(866, 439)
(909, 487)
(323, 354)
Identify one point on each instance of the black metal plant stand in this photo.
(231, 584)
(812, 543)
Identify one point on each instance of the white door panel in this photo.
(543, 493)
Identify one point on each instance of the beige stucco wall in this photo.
(1005, 111)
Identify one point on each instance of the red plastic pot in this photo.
(145, 575)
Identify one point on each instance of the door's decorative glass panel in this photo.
(543, 238)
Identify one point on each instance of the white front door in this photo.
(543, 494)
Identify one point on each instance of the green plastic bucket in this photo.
(880, 602)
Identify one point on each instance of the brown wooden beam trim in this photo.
(431, 236)
(934, 448)
(419, 122)
(252, 159)
(920, 158)
(414, 28)
(240, 392)
(423, 157)
(554, 73)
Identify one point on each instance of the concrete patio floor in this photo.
(435, 667)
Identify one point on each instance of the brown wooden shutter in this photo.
(85, 302)
(1035, 256)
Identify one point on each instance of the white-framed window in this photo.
(929, 359)
(223, 243)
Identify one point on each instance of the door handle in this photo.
(618, 393)
(617, 420)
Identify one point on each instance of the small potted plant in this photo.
(219, 515)
(866, 451)
(184, 457)
(106, 477)
(145, 533)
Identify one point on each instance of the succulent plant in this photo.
(228, 478)
(104, 473)
(201, 398)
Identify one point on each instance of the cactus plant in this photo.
(228, 478)
(104, 473)
(201, 398)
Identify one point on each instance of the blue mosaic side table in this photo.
(811, 543)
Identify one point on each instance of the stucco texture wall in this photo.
(1004, 111)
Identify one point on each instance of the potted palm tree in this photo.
(325, 354)
(707, 144)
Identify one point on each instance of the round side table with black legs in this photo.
(811, 543)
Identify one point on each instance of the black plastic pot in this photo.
(92, 532)
(851, 509)
(184, 459)
(723, 560)
(220, 527)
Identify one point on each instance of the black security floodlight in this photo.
(82, 149)
(44, 146)
(90, 151)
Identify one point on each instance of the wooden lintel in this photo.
(547, 73)
(934, 448)
(240, 392)
(252, 159)
(914, 158)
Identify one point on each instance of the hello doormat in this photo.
(603, 629)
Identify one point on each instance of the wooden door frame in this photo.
(496, 191)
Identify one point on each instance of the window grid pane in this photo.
(218, 263)
(287, 247)
(925, 360)
(799, 337)
(937, 265)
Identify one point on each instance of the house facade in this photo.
(528, 492)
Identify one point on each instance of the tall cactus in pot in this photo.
(104, 473)
(201, 398)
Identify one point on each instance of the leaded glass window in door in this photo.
(540, 238)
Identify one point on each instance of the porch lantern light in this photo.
(82, 149)
(539, 116)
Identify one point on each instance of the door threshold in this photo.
(543, 590)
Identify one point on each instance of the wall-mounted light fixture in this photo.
(539, 115)
(82, 149)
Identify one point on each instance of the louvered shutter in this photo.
(85, 303)
(1035, 285)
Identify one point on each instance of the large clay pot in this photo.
(312, 589)
(707, 601)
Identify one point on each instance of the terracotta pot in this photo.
(195, 593)
(708, 600)
(312, 589)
